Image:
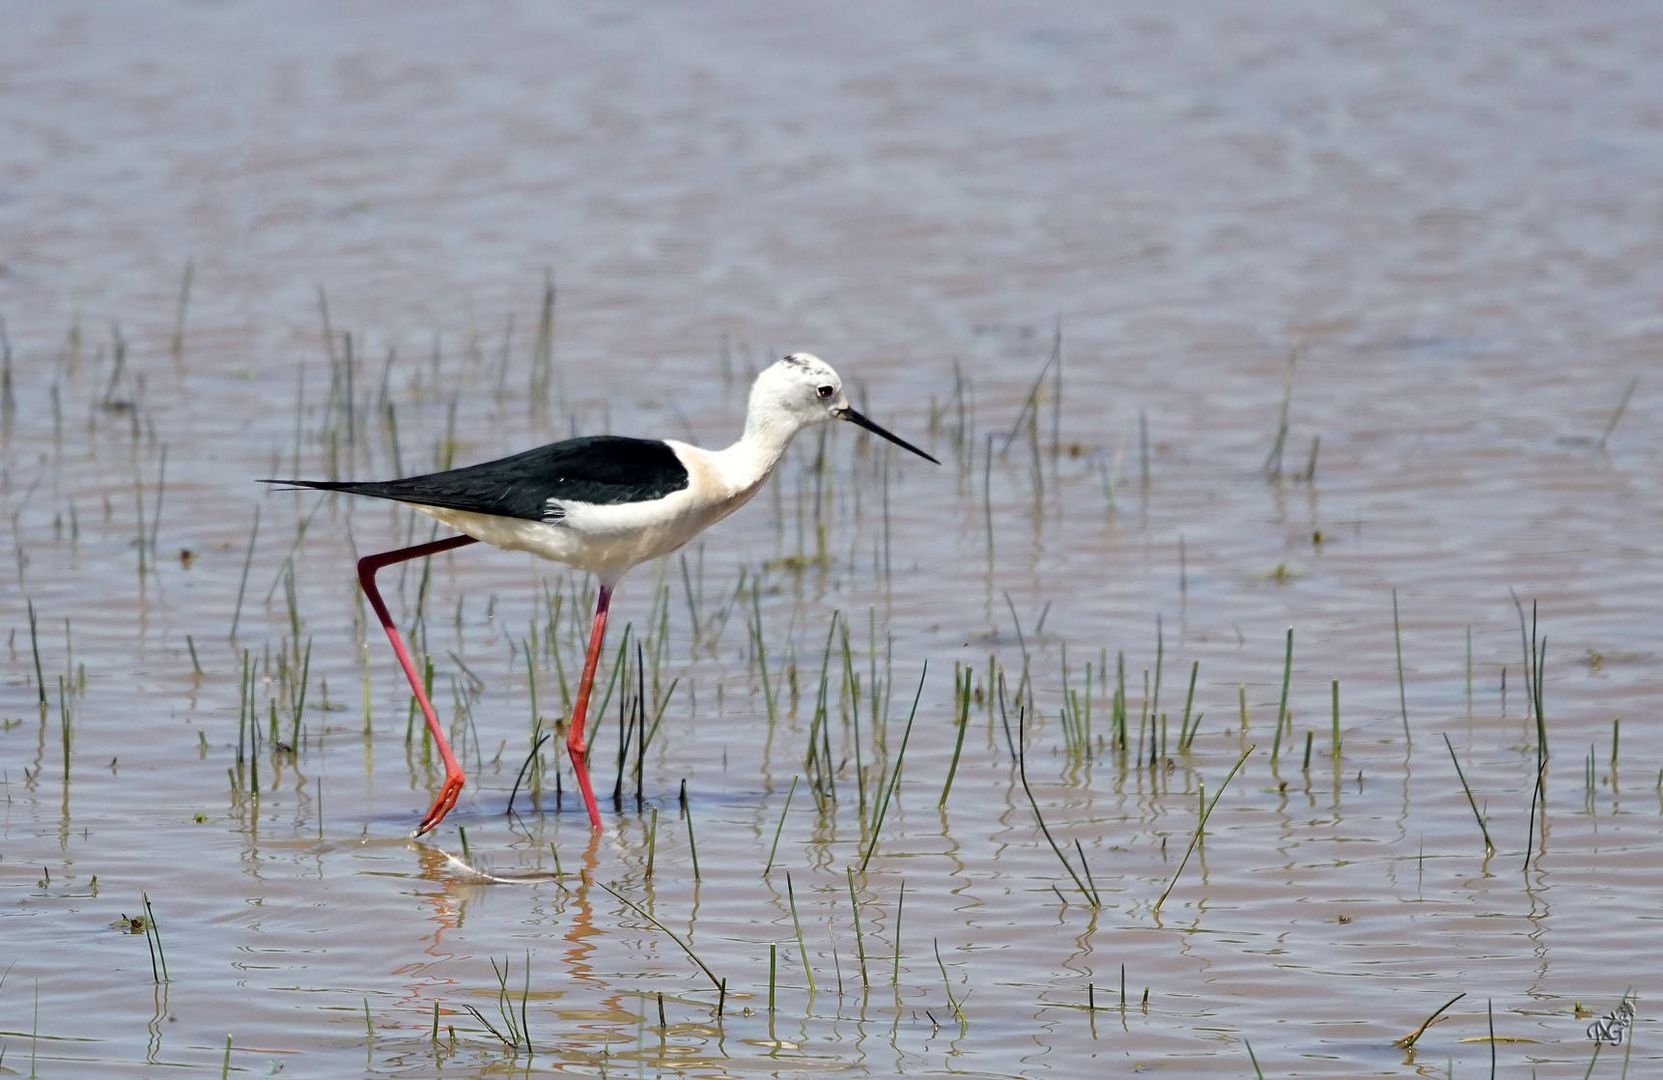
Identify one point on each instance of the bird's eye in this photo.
(825, 392)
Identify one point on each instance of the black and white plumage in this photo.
(603, 504)
(607, 503)
(585, 488)
(600, 470)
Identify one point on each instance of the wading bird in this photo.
(601, 503)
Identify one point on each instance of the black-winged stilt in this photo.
(604, 504)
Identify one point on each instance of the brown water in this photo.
(1451, 211)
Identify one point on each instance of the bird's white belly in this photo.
(605, 540)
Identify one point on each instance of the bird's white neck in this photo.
(747, 463)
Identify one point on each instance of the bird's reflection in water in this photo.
(458, 878)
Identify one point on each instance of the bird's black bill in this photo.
(861, 421)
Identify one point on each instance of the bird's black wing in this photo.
(602, 469)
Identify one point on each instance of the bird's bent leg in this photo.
(576, 746)
(367, 566)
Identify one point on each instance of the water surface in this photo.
(1449, 215)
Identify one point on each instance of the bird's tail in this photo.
(376, 489)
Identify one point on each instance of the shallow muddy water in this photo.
(1069, 252)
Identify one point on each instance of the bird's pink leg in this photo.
(367, 566)
(575, 744)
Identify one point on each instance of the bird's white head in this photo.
(799, 391)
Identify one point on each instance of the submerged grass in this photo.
(1086, 890)
(1186, 732)
(1402, 693)
(1617, 413)
(1408, 1041)
(947, 984)
(153, 937)
(1489, 848)
(515, 1032)
(963, 695)
(692, 840)
(860, 938)
(1282, 703)
(797, 927)
(773, 849)
(34, 647)
(894, 774)
(895, 968)
(719, 984)
(1201, 826)
(1273, 459)
(242, 582)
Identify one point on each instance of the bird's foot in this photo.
(442, 805)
